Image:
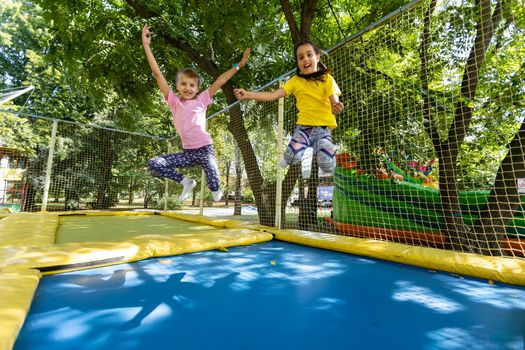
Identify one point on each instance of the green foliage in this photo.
(157, 202)
(17, 133)
(87, 63)
(247, 196)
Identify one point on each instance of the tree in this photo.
(103, 43)
(448, 149)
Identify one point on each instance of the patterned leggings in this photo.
(165, 165)
(317, 137)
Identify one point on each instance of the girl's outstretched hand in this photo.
(146, 35)
(337, 107)
(240, 94)
(245, 57)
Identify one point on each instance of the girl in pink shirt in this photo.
(189, 118)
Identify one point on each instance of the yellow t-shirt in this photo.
(312, 100)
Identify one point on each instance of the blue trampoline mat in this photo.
(272, 295)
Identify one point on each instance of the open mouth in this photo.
(308, 67)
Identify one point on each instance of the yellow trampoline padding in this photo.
(23, 229)
(73, 256)
(17, 289)
(105, 213)
(201, 219)
(226, 223)
(507, 270)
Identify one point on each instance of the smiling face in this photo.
(187, 86)
(307, 59)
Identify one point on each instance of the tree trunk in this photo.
(308, 207)
(289, 182)
(72, 198)
(288, 185)
(458, 233)
(29, 198)
(104, 200)
(504, 198)
(35, 169)
(308, 8)
(237, 129)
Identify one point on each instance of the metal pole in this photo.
(279, 183)
(47, 181)
(203, 180)
(15, 94)
(201, 204)
(166, 183)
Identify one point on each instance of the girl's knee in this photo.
(327, 167)
(154, 163)
(326, 161)
(292, 160)
(151, 164)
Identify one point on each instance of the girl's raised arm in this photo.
(161, 81)
(224, 77)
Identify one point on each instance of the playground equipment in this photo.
(12, 181)
(381, 81)
(407, 212)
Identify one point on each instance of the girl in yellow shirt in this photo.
(317, 101)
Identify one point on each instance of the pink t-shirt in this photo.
(189, 118)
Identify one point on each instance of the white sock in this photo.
(282, 163)
(188, 184)
(217, 195)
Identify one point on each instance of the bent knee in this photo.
(327, 167)
(326, 162)
(154, 163)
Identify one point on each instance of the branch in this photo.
(484, 32)
(205, 64)
(504, 198)
(430, 127)
(142, 10)
(288, 13)
(307, 15)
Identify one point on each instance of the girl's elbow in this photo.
(277, 95)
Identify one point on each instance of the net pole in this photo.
(279, 183)
(166, 183)
(201, 203)
(49, 166)
(203, 179)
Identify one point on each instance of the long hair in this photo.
(321, 73)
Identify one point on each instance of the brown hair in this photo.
(190, 73)
(321, 73)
